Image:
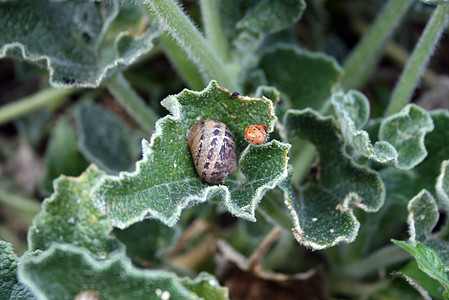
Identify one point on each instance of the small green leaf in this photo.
(62, 156)
(442, 186)
(271, 15)
(432, 286)
(71, 270)
(266, 16)
(406, 131)
(422, 219)
(435, 2)
(423, 216)
(165, 180)
(106, 140)
(83, 51)
(306, 78)
(70, 216)
(10, 287)
(206, 286)
(352, 111)
(428, 261)
(427, 171)
(323, 210)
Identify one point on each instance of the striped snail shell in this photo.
(87, 295)
(213, 150)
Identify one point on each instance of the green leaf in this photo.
(83, 51)
(406, 131)
(323, 210)
(106, 140)
(10, 287)
(306, 78)
(62, 155)
(271, 15)
(422, 219)
(70, 216)
(427, 171)
(352, 111)
(72, 270)
(206, 286)
(442, 186)
(165, 180)
(428, 261)
(148, 241)
(435, 2)
(423, 216)
(432, 286)
(265, 16)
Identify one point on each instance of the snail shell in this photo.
(213, 150)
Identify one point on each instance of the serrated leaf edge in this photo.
(174, 107)
(96, 265)
(421, 133)
(56, 84)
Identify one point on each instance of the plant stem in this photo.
(210, 11)
(131, 101)
(190, 39)
(403, 91)
(367, 53)
(185, 67)
(49, 97)
(388, 255)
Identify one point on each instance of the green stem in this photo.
(365, 56)
(131, 101)
(387, 256)
(45, 98)
(210, 11)
(19, 202)
(185, 67)
(403, 91)
(190, 39)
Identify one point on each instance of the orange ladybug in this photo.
(256, 134)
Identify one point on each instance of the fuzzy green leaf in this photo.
(323, 210)
(10, 287)
(306, 78)
(406, 131)
(435, 2)
(83, 51)
(437, 146)
(71, 270)
(428, 261)
(271, 15)
(70, 216)
(165, 180)
(442, 186)
(106, 140)
(266, 16)
(422, 219)
(432, 286)
(206, 286)
(352, 111)
(62, 156)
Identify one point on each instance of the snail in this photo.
(87, 295)
(256, 134)
(213, 150)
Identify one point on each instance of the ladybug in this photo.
(256, 134)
